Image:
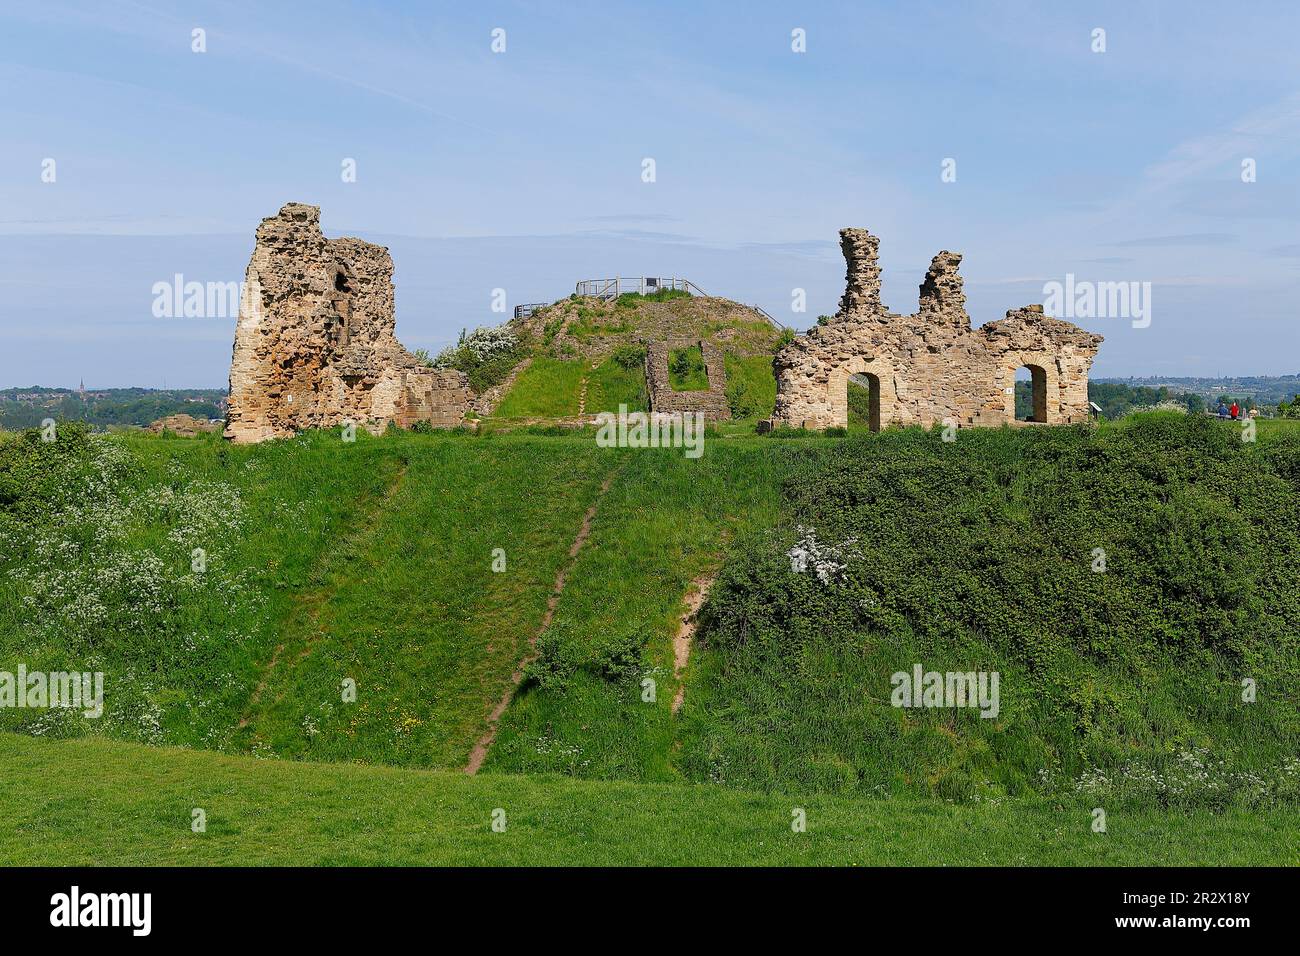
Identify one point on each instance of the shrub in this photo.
(979, 555)
(686, 371)
(629, 356)
(486, 355)
(560, 655)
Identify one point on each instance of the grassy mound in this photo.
(602, 343)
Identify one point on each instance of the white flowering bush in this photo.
(828, 562)
(483, 345)
(98, 564)
(486, 355)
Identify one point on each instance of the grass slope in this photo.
(97, 567)
(662, 523)
(412, 610)
(372, 561)
(548, 388)
(95, 802)
(979, 556)
(612, 384)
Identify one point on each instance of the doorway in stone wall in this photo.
(1031, 393)
(864, 401)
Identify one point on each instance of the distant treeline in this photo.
(1266, 390)
(1116, 399)
(103, 408)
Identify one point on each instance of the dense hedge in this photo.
(978, 555)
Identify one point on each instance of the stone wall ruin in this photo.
(712, 404)
(315, 344)
(931, 367)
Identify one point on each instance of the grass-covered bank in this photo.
(1133, 586)
(226, 592)
(374, 561)
(665, 521)
(97, 802)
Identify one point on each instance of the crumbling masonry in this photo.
(712, 404)
(315, 344)
(931, 367)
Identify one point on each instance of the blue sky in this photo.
(522, 170)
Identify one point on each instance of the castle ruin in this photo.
(931, 367)
(315, 344)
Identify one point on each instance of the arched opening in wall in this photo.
(1031, 394)
(864, 401)
(341, 283)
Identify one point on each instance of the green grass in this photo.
(978, 555)
(612, 384)
(96, 802)
(630, 300)
(373, 561)
(686, 371)
(546, 389)
(411, 609)
(370, 561)
(751, 386)
(859, 397)
(96, 571)
(664, 521)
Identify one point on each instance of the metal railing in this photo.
(526, 309)
(642, 285)
(613, 287)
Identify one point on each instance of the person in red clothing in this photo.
(1234, 411)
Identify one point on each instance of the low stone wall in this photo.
(663, 398)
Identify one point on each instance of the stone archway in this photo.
(881, 378)
(1045, 386)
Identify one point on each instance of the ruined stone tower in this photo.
(931, 367)
(315, 343)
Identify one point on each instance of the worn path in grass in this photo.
(695, 598)
(480, 751)
(96, 802)
(412, 611)
(661, 527)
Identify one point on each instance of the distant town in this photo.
(106, 407)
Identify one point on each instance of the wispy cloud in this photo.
(632, 217)
(1184, 239)
(1275, 127)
